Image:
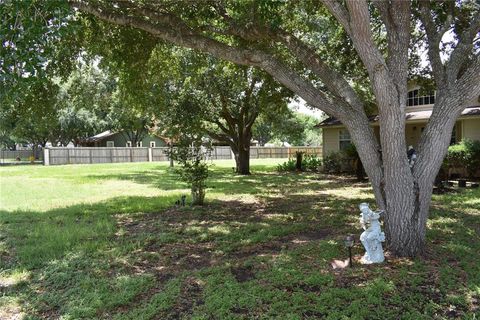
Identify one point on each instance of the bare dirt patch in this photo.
(190, 297)
(243, 273)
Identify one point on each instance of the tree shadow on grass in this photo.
(224, 181)
(132, 257)
(81, 252)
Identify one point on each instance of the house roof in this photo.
(101, 136)
(108, 133)
(410, 116)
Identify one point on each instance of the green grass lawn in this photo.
(106, 242)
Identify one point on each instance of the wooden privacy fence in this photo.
(282, 152)
(56, 156)
(23, 155)
(82, 155)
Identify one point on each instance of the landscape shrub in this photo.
(465, 154)
(193, 167)
(333, 162)
(287, 166)
(309, 163)
(351, 154)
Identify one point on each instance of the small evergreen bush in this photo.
(193, 169)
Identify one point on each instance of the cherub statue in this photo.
(373, 236)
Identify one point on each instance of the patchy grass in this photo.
(106, 242)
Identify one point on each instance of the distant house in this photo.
(120, 139)
(419, 109)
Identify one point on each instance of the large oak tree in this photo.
(288, 40)
(225, 100)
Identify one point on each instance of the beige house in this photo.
(418, 111)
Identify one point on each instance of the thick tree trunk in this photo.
(298, 164)
(405, 221)
(242, 160)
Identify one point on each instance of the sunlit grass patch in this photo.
(10, 308)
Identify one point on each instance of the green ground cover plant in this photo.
(309, 163)
(107, 242)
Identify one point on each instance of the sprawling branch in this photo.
(447, 73)
(340, 13)
(356, 22)
(396, 17)
(434, 37)
(333, 80)
(463, 50)
(222, 127)
(181, 35)
(452, 101)
(222, 138)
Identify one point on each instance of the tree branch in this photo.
(333, 80)
(396, 18)
(222, 127)
(339, 12)
(463, 50)
(433, 38)
(356, 22)
(183, 36)
(222, 138)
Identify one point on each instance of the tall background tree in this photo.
(32, 116)
(290, 127)
(84, 102)
(130, 115)
(229, 99)
(212, 97)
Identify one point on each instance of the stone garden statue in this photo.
(373, 236)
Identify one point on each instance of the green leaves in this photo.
(36, 37)
(465, 154)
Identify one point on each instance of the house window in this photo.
(110, 144)
(152, 144)
(414, 99)
(345, 140)
(139, 144)
(129, 144)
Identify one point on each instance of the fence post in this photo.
(131, 154)
(90, 155)
(150, 158)
(111, 155)
(68, 155)
(46, 156)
